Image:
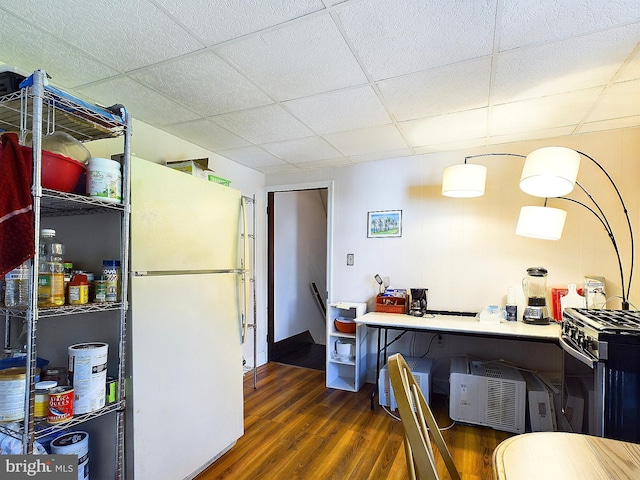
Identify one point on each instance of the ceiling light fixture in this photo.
(548, 172)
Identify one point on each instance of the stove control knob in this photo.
(580, 340)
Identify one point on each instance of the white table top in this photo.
(461, 325)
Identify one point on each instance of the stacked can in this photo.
(111, 272)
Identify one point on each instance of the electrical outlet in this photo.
(350, 259)
(440, 341)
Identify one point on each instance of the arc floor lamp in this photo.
(548, 172)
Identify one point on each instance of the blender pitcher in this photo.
(534, 286)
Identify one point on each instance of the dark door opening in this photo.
(296, 269)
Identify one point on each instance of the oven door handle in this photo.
(576, 354)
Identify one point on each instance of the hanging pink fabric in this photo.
(16, 205)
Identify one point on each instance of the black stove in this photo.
(589, 331)
(609, 320)
(607, 342)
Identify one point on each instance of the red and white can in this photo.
(60, 404)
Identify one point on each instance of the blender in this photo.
(534, 286)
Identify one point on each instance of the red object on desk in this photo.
(556, 293)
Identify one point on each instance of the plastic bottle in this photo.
(51, 270)
(16, 292)
(78, 290)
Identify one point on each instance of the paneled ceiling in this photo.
(296, 84)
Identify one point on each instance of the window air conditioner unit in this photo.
(489, 394)
(421, 370)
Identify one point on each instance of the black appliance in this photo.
(606, 345)
(418, 302)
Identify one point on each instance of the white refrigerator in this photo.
(184, 395)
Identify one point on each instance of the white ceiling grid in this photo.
(282, 85)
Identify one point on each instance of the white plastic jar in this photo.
(104, 180)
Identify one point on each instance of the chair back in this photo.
(417, 422)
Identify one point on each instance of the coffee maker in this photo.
(418, 302)
(534, 286)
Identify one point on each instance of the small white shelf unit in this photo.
(349, 374)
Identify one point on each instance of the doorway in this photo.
(297, 276)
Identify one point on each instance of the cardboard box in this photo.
(198, 167)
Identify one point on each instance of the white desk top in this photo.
(461, 324)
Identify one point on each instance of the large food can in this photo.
(74, 443)
(60, 404)
(88, 375)
(12, 393)
(12, 390)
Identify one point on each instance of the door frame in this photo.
(270, 194)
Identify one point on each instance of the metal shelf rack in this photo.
(47, 109)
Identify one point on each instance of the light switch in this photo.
(350, 259)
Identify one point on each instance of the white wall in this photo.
(157, 146)
(465, 251)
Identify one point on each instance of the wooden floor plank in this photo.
(296, 428)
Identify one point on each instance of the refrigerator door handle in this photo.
(244, 265)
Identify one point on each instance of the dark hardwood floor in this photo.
(296, 428)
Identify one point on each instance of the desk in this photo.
(452, 324)
(560, 455)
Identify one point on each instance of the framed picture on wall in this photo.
(384, 223)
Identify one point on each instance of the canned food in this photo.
(41, 406)
(60, 404)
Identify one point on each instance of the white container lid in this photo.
(46, 385)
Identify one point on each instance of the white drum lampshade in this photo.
(464, 181)
(550, 172)
(541, 222)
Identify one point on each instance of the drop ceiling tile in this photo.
(626, 122)
(525, 22)
(619, 100)
(445, 128)
(297, 60)
(573, 64)
(302, 150)
(450, 146)
(31, 49)
(542, 113)
(206, 134)
(374, 157)
(141, 102)
(328, 162)
(286, 168)
(251, 157)
(204, 83)
(124, 34)
(367, 140)
(266, 124)
(396, 37)
(341, 110)
(631, 69)
(532, 135)
(457, 87)
(215, 22)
